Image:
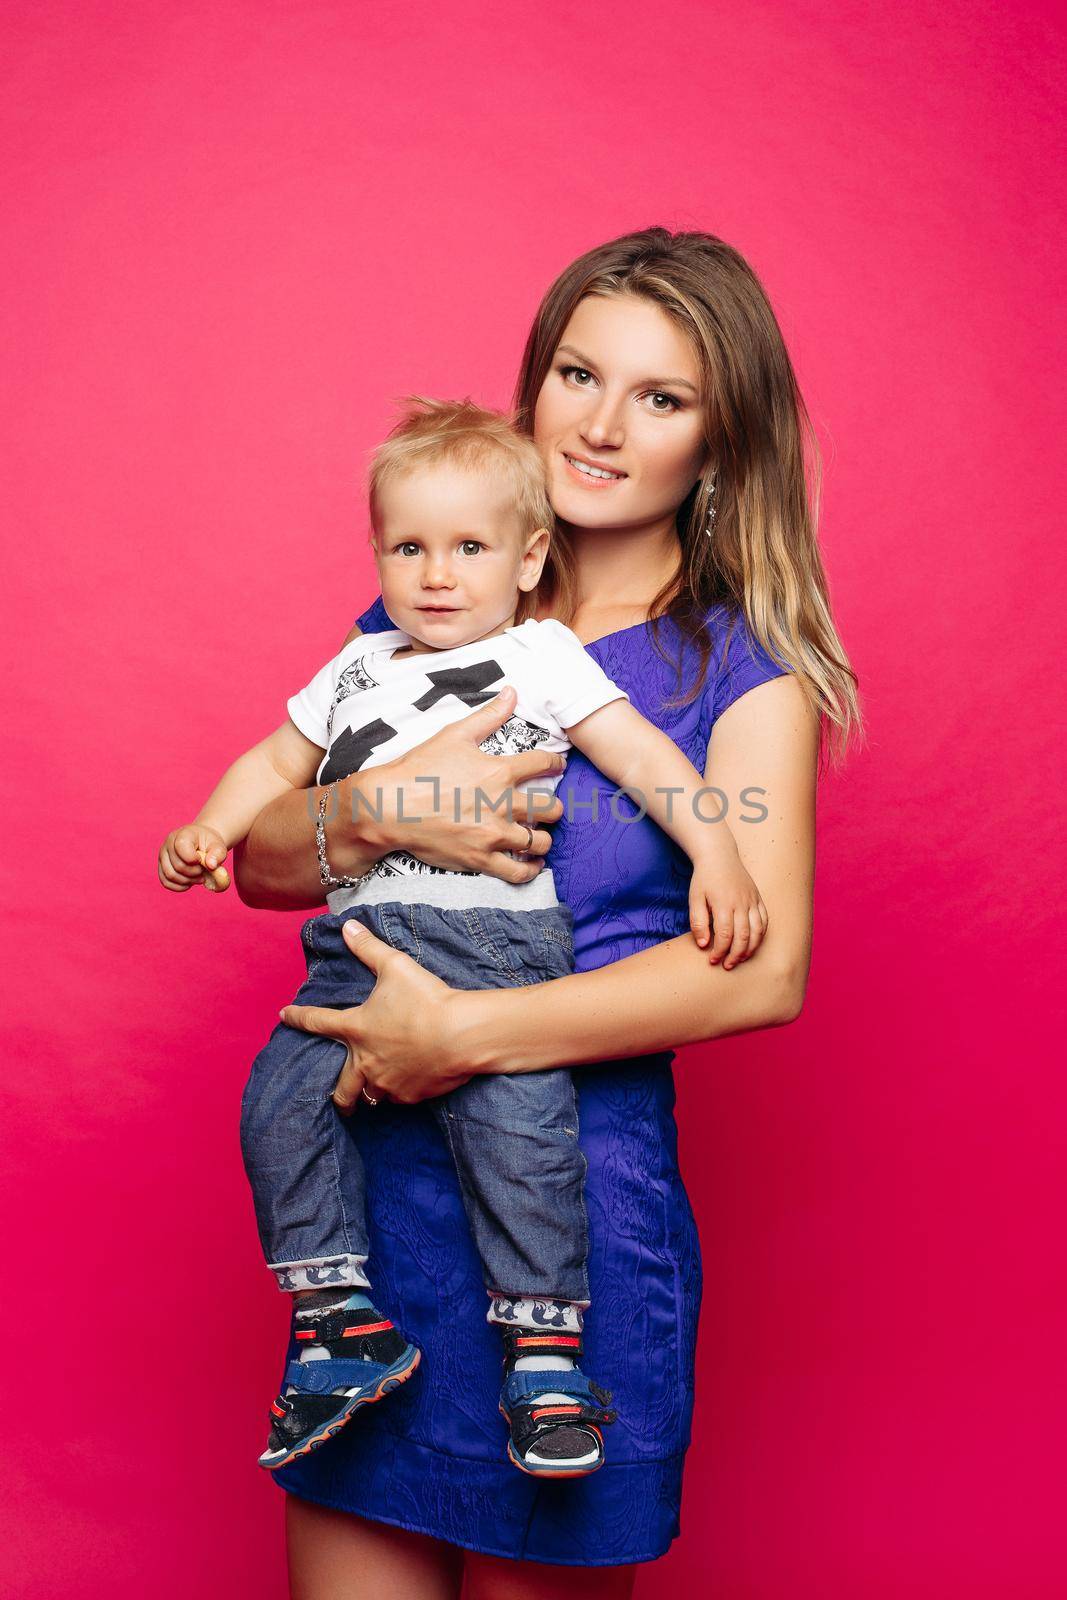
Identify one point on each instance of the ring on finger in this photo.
(369, 1098)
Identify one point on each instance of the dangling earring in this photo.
(711, 507)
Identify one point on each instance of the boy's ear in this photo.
(533, 559)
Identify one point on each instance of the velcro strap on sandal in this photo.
(527, 1428)
(339, 1325)
(321, 1377)
(540, 1342)
(522, 1388)
(357, 1334)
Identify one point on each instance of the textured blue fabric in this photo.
(432, 1457)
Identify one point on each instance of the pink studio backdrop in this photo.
(236, 230)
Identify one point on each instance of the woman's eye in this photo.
(467, 545)
(579, 374)
(671, 404)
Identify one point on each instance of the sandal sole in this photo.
(388, 1381)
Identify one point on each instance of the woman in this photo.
(657, 386)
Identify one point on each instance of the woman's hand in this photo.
(396, 806)
(399, 1038)
(453, 804)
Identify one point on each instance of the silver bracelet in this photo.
(326, 877)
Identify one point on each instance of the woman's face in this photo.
(622, 397)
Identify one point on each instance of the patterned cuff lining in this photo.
(322, 1272)
(564, 1315)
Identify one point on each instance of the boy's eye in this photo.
(408, 544)
(471, 546)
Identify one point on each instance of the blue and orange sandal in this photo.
(558, 1437)
(368, 1358)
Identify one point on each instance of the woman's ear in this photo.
(533, 559)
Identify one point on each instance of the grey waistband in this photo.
(448, 889)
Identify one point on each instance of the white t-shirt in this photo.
(365, 708)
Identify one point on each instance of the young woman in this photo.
(681, 469)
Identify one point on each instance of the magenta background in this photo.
(239, 229)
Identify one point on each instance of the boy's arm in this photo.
(636, 755)
(284, 760)
(726, 910)
(279, 764)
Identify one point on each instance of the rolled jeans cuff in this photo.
(321, 1272)
(563, 1315)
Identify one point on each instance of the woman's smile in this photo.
(591, 474)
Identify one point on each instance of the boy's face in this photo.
(451, 556)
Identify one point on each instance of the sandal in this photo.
(560, 1438)
(368, 1358)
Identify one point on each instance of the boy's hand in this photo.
(193, 854)
(737, 912)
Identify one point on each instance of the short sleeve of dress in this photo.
(575, 685)
(375, 619)
(741, 662)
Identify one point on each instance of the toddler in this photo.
(461, 522)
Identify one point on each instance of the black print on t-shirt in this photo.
(515, 736)
(399, 864)
(354, 678)
(351, 749)
(466, 683)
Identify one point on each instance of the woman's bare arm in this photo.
(668, 995)
(276, 867)
(415, 1036)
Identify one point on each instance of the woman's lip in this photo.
(586, 478)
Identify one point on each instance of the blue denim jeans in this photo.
(514, 1138)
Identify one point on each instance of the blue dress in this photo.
(432, 1456)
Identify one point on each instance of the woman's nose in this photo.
(603, 425)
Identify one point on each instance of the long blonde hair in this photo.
(762, 561)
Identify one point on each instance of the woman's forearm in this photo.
(655, 1000)
(277, 867)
